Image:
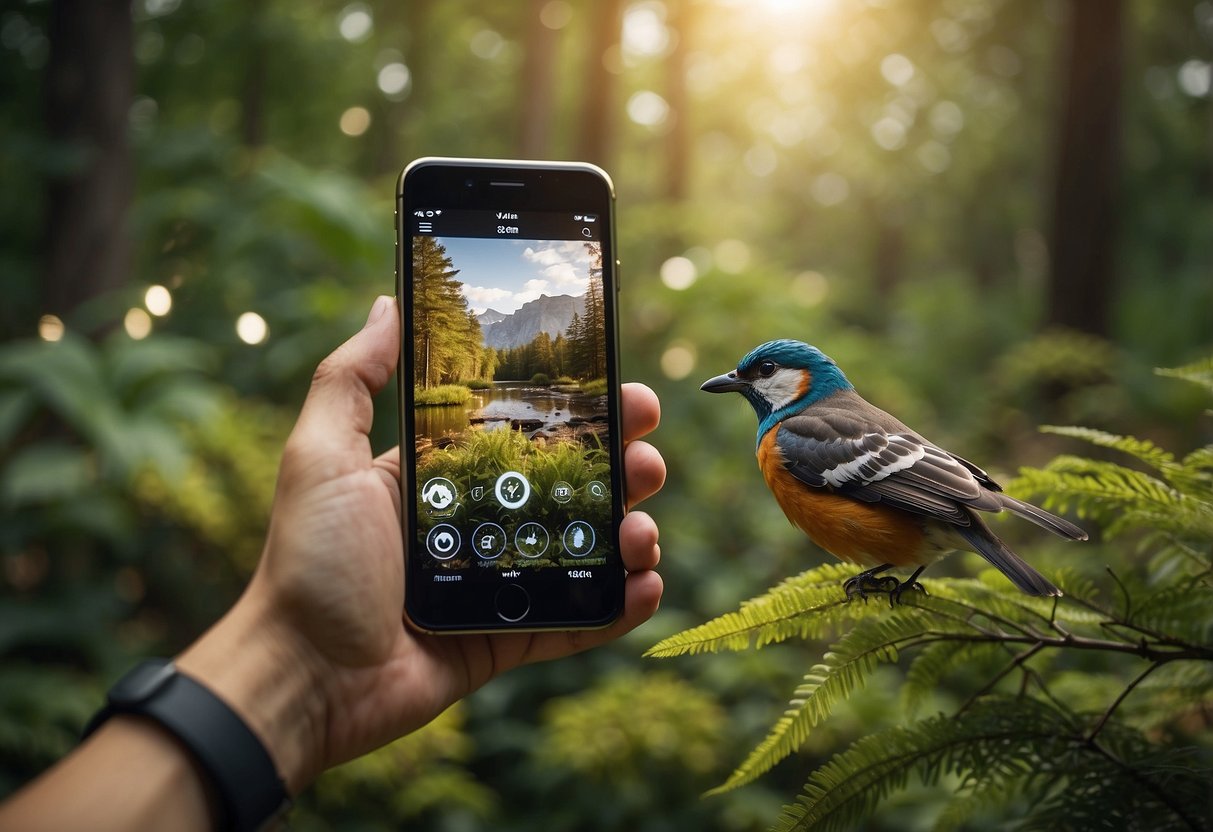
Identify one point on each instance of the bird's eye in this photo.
(766, 368)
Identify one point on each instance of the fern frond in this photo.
(1179, 611)
(844, 669)
(1142, 449)
(1116, 784)
(1117, 497)
(935, 661)
(1194, 475)
(998, 602)
(1013, 736)
(1199, 372)
(984, 797)
(1174, 692)
(825, 575)
(809, 605)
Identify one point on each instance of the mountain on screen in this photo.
(544, 314)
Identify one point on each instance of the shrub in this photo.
(445, 394)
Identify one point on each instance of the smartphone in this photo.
(511, 452)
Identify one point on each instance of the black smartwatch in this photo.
(251, 792)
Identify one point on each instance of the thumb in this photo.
(339, 411)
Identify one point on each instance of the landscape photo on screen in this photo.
(511, 413)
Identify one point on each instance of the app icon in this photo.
(597, 491)
(579, 538)
(443, 541)
(512, 490)
(488, 540)
(477, 493)
(439, 494)
(531, 540)
(562, 492)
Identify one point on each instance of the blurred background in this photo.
(993, 214)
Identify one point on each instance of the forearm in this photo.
(134, 774)
(130, 774)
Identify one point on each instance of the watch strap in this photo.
(250, 790)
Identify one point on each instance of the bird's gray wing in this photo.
(857, 456)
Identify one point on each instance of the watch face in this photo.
(141, 682)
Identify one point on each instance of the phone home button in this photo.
(512, 603)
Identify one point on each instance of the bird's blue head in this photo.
(781, 378)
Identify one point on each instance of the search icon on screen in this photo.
(585, 232)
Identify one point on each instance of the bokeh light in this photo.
(732, 256)
(648, 108)
(137, 323)
(810, 288)
(679, 273)
(251, 328)
(158, 300)
(830, 188)
(678, 360)
(644, 31)
(1196, 78)
(394, 80)
(486, 44)
(556, 14)
(355, 23)
(355, 121)
(50, 328)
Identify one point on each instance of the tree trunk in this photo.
(406, 26)
(535, 108)
(252, 98)
(1082, 250)
(678, 139)
(593, 142)
(89, 90)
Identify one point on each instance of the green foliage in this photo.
(594, 387)
(640, 723)
(1111, 747)
(443, 394)
(1001, 746)
(541, 379)
(416, 776)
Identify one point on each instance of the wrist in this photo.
(254, 662)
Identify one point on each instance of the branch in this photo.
(1159, 793)
(1017, 661)
(1103, 720)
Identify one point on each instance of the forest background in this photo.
(993, 214)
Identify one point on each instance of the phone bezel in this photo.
(463, 183)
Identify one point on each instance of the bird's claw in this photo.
(864, 584)
(895, 593)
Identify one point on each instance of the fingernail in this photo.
(377, 309)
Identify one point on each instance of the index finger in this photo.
(641, 410)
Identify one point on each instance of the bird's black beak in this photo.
(727, 383)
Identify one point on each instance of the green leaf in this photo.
(1198, 372)
(806, 606)
(844, 669)
(45, 472)
(16, 407)
(1142, 449)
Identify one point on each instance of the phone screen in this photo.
(513, 459)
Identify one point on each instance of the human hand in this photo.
(315, 655)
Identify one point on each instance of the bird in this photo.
(864, 486)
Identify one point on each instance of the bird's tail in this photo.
(1007, 562)
(1057, 525)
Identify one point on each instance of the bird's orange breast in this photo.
(869, 534)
